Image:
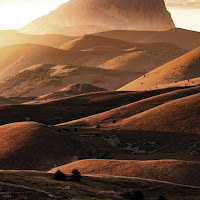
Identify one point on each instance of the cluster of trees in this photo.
(76, 176)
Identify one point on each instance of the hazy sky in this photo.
(17, 13)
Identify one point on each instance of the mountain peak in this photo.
(111, 14)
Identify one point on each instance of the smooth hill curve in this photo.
(110, 53)
(179, 116)
(43, 79)
(123, 115)
(30, 145)
(183, 68)
(174, 171)
(186, 39)
(70, 108)
(16, 58)
(12, 37)
(91, 42)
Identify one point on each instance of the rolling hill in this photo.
(12, 37)
(40, 185)
(182, 107)
(47, 78)
(117, 54)
(185, 39)
(29, 145)
(54, 112)
(140, 58)
(16, 58)
(90, 42)
(157, 124)
(174, 171)
(183, 68)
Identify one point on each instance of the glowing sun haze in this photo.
(15, 14)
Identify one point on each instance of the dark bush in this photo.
(114, 121)
(98, 126)
(59, 176)
(76, 175)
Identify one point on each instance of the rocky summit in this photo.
(109, 14)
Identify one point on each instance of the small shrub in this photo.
(114, 121)
(59, 176)
(98, 126)
(76, 175)
(161, 197)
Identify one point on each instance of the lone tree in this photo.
(59, 176)
(161, 197)
(76, 175)
(98, 126)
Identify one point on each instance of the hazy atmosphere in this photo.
(185, 13)
(99, 99)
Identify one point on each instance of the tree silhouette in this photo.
(59, 176)
(76, 175)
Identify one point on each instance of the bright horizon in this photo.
(185, 14)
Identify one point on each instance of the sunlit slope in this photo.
(185, 83)
(116, 54)
(47, 78)
(29, 145)
(174, 171)
(12, 37)
(183, 68)
(149, 114)
(185, 39)
(16, 58)
(91, 42)
(176, 111)
(144, 57)
(67, 109)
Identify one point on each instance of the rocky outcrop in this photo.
(72, 89)
(111, 14)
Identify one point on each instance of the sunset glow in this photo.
(15, 14)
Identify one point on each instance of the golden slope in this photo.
(88, 42)
(149, 114)
(116, 54)
(183, 68)
(12, 37)
(174, 171)
(185, 39)
(30, 145)
(16, 58)
(43, 79)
